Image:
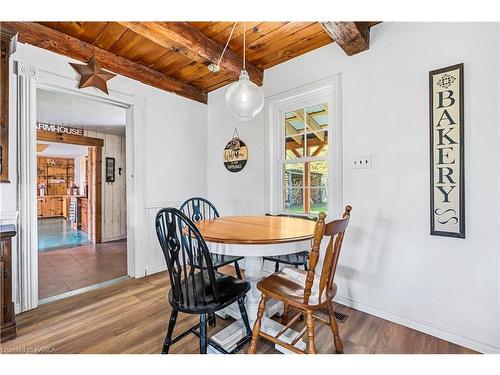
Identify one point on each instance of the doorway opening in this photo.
(81, 194)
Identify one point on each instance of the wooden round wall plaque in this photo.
(235, 155)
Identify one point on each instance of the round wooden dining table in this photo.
(254, 237)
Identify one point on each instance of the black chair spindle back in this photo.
(198, 208)
(181, 242)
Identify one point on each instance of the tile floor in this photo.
(64, 270)
(56, 233)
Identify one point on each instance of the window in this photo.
(305, 149)
(304, 160)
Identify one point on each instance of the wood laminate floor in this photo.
(65, 270)
(131, 317)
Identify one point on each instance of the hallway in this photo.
(65, 270)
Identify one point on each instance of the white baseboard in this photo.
(117, 238)
(421, 326)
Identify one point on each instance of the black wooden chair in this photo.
(300, 258)
(195, 290)
(197, 209)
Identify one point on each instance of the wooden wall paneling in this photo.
(98, 195)
(91, 194)
(114, 208)
(123, 181)
(114, 193)
(108, 209)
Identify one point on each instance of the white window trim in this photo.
(325, 91)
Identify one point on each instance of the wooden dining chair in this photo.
(198, 208)
(298, 259)
(201, 291)
(304, 290)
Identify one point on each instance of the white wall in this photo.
(173, 130)
(242, 192)
(390, 265)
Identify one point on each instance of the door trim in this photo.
(28, 79)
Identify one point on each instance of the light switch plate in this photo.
(362, 162)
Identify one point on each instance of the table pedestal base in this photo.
(230, 335)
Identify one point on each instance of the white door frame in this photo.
(29, 79)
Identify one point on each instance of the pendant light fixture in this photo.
(244, 99)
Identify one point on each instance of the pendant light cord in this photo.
(244, 46)
(227, 43)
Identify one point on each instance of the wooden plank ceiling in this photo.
(268, 44)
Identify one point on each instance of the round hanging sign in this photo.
(235, 154)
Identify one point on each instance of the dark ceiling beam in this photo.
(186, 39)
(352, 37)
(44, 37)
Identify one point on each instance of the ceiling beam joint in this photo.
(184, 38)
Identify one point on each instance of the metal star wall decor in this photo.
(92, 75)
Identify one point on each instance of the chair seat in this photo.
(218, 260)
(295, 259)
(288, 284)
(230, 289)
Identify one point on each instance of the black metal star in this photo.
(92, 75)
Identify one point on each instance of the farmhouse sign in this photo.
(235, 154)
(59, 129)
(446, 94)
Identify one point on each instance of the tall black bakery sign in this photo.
(235, 154)
(446, 94)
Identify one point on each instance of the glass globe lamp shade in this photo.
(244, 99)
